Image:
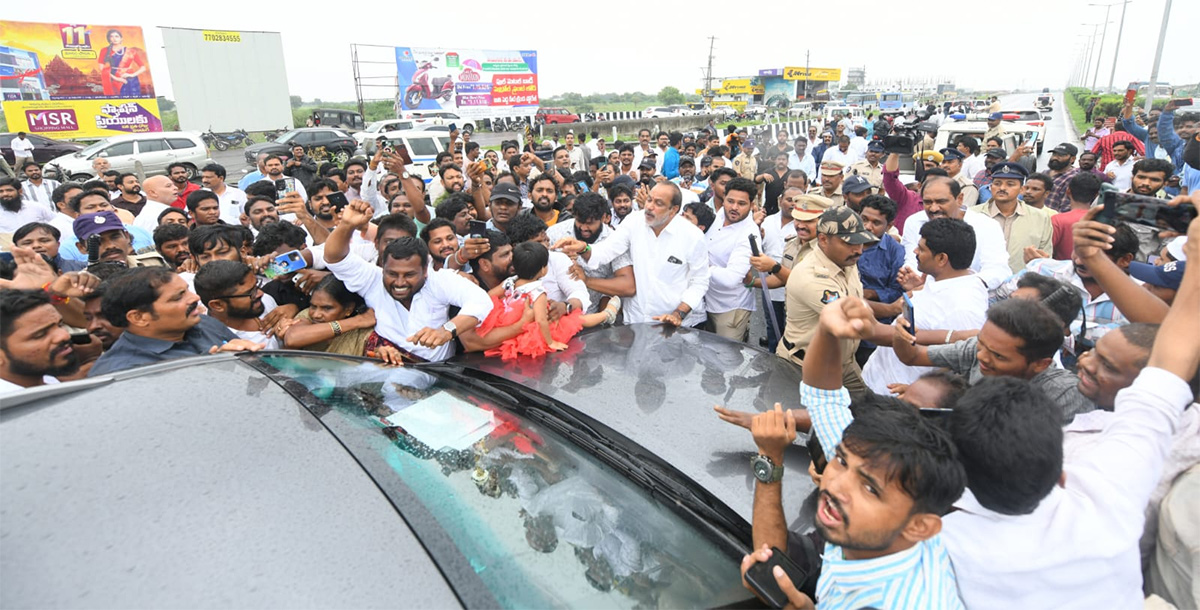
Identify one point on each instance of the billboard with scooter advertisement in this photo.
(471, 83)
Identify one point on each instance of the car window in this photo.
(539, 520)
(422, 146)
(181, 143)
(146, 146)
(6, 138)
(304, 137)
(445, 142)
(119, 149)
(40, 141)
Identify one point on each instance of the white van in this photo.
(857, 114)
(423, 147)
(153, 151)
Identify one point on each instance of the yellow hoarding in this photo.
(74, 80)
(740, 86)
(813, 74)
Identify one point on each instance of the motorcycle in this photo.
(424, 88)
(222, 141)
(53, 171)
(275, 133)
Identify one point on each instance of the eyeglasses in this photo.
(258, 284)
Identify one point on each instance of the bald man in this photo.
(159, 192)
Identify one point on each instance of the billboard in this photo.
(76, 80)
(471, 83)
(207, 66)
(741, 86)
(831, 75)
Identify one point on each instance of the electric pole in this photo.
(1162, 37)
(806, 71)
(1117, 50)
(708, 95)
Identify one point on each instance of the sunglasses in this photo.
(258, 284)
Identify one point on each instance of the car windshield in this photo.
(377, 126)
(287, 137)
(93, 148)
(539, 521)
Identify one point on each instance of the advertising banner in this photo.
(76, 80)
(471, 83)
(831, 75)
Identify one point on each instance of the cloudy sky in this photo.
(595, 48)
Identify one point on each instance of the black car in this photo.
(338, 145)
(44, 149)
(595, 477)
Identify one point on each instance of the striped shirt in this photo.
(1100, 313)
(920, 577)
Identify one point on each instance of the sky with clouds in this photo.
(585, 48)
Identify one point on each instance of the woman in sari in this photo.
(120, 66)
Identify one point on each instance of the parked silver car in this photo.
(152, 151)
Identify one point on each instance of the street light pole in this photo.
(1091, 45)
(1117, 51)
(1100, 54)
(1162, 37)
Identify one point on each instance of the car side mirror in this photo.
(1047, 118)
(103, 153)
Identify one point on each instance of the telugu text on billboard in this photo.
(472, 83)
(76, 80)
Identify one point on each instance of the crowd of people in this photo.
(997, 383)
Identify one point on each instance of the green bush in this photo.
(1109, 104)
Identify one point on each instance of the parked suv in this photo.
(658, 112)
(44, 150)
(154, 151)
(439, 117)
(557, 115)
(337, 143)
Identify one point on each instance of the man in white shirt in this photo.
(1035, 530)
(956, 299)
(22, 149)
(159, 191)
(15, 211)
(611, 279)
(858, 143)
(841, 153)
(273, 165)
(232, 201)
(670, 260)
(800, 159)
(942, 198)
(411, 303)
(728, 301)
(577, 154)
(64, 216)
(1120, 169)
(233, 295)
(642, 149)
(39, 190)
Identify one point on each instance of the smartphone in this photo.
(1131, 93)
(401, 151)
(477, 228)
(816, 454)
(337, 200)
(1033, 137)
(284, 187)
(1143, 210)
(582, 186)
(762, 580)
(453, 128)
(910, 315)
(288, 262)
(753, 245)
(1181, 101)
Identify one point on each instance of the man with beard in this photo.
(61, 198)
(729, 301)
(15, 211)
(116, 245)
(543, 193)
(35, 346)
(212, 176)
(36, 188)
(300, 166)
(686, 181)
(1149, 178)
(317, 217)
(610, 279)
(260, 211)
(441, 240)
(1023, 226)
(412, 304)
(97, 325)
(941, 197)
(889, 477)
(828, 273)
(1120, 169)
(451, 177)
(784, 245)
(1087, 164)
(178, 174)
(131, 198)
(171, 242)
(355, 170)
(233, 295)
(273, 167)
(1061, 164)
(503, 205)
(160, 192)
(621, 195)
(670, 260)
(773, 180)
(162, 322)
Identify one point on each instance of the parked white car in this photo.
(152, 152)
(658, 112)
(1031, 121)
(423, 146)
(439, 117)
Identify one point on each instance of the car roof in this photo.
(260, 504)
(152, 134)
(657, 388)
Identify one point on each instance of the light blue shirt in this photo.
(919, 577)
(250, 178)
(142, 242)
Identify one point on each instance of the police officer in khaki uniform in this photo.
(746, 164)
(871, 168)
(928, 158)
(804, 216)
(116, 245)
(832, 174)
(995, 129)
(952, 162)
(829, 273)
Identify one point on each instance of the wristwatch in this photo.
(765, 469)
(776, 269)
(451, 328)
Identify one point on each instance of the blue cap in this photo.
(995, 116)
(952, 153)
(87, 225)
(1008, 169)
(875, 146)
(1166, 276)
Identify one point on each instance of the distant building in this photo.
(856, 77)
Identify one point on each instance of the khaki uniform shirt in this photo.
(150, 258)
(873, 174)
(795, 251)
(745, 166)
(836, 197)
(815, 281)
(970, 192)
(1027, 226)
(997, 131)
